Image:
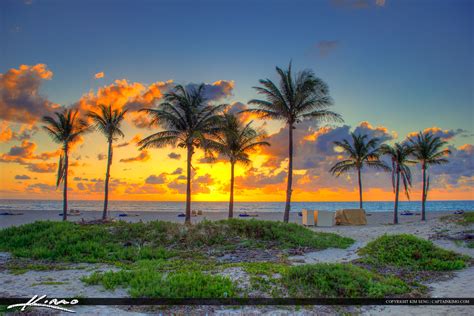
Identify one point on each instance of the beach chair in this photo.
(351, 217)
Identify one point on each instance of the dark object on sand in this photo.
(181, 215)
(10, 214)
(459, 212)
(245, 214)
(127, 214)
(407, 213)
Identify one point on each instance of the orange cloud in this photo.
(99, 75)
(445, 135)
(6, 133)
(134, 140)
(20, 100)
(143, 156)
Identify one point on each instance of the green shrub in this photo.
(145, 281)
(288, 235)
(66, 241)
(410, 251)
(122, 241)
(339, 280)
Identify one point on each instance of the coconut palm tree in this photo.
(64, 128)
(295, 98)
(361, 152)
(189, 120)
(108, 122)
(428, 150)
(235, 141)
(399, 154)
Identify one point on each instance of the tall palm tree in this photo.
(360, 153)
(236, 141)
(299, 97)
(108, 122)
(64, 128)
(399, 154)
(427, 149)
(188, 120)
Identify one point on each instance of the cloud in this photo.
(135, 139)
(325, 48)
(41, 187)
(174, 155)
(134, 188)
(20, 100)
(380, 132)
(358, 4)
(445, 135)
(143, 156)
(99, 75)
(460, 166)
(237, 107)
(22, 177)
(177, 171)
(199, 184)
(152, 179)
(24, 154)
(255, 179)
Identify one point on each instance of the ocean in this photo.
(38, 205)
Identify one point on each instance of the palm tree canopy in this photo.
(65, 127)
(359, 154)
(400, 156)
(294, 98)
(108, 121)
(187, 118)
(236, 140)
(427, 149)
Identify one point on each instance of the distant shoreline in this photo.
(28, 216)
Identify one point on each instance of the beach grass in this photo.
(412, 252)
(130, 242)
(339, 280)
(148, 279)
(145, 281)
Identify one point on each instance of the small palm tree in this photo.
(299, 97)
(360, 153)
(65, 128)
(399, 154)
(427, 150)
(189, 120)
(108, 122)
(236, 141)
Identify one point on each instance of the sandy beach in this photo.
(29, 216)
(458, 285)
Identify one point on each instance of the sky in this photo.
(393, 68)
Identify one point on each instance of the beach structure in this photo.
(350, 217)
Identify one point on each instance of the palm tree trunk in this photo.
(188, 187)
(107, 178)
(231, 201)
(66, 169)
(397, 191)
(360, 188)
(423, 197)
(286, 216)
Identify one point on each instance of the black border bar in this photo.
(254, 301)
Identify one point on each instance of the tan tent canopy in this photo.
(351, 217)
